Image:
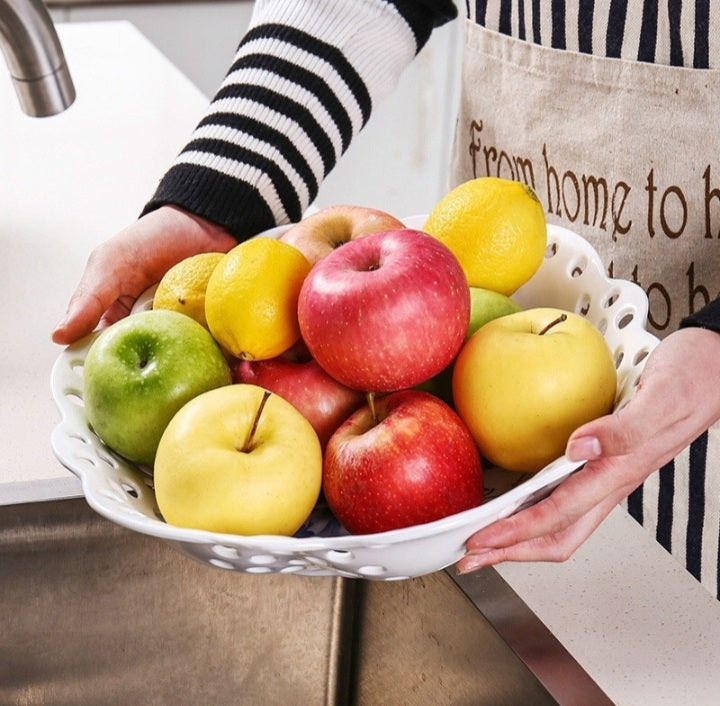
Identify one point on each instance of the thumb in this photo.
(83, 313)
(606, 436)
(107, 277)
(646, 417)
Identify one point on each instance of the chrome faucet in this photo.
(35, 58)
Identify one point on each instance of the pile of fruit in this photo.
(351, 358)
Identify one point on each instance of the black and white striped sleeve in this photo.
(707, 317)
(302, 84)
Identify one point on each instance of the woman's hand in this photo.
(123, 267)
(676, 400)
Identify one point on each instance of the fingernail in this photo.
(470, 563)
(584, 448)
(472, 560)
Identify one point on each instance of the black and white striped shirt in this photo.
(307, 74)
(302, 85)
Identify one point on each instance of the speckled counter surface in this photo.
(67, 182)
(644, 630)
(638, 623)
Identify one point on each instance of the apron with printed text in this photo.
(626, 154)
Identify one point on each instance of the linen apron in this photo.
(627, 154)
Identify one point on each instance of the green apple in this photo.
(238, 460)
(524, 382)
(140, 371)
(486, 305)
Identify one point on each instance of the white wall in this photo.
(199, 38)
(398, 163)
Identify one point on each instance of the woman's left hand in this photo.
(676, 400)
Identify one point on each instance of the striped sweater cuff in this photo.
(707, 317)
(302, 85)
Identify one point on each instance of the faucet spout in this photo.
(35, 58)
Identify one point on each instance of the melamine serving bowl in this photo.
(571, 277)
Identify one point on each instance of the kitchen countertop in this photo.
(642, 628)
(68, 182)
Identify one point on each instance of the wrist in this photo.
(191, 228)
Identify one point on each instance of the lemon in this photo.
(251, 298)
(183, 286)
(496, 228)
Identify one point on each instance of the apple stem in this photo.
(370, 397)
(554, 322)
(247, 446)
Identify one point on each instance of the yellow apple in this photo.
(524, 382)
(238, 460)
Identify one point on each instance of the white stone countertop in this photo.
(645, 631)
(67, 182)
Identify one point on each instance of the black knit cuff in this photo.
(223, 200)
(708, 317)
(424, 15)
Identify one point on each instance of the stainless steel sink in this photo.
(91, 613)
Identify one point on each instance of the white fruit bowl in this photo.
(571, 277)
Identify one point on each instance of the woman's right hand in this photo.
(123, 267)
(674, 402)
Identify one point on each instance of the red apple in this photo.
(319, 234)
(321, 399)
(385, 312)
(414, 462)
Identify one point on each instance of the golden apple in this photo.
(238, 460)
(524, 382)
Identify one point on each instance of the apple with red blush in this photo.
(296, 377)
(385, 312)
(326, 230)
(405, 460)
